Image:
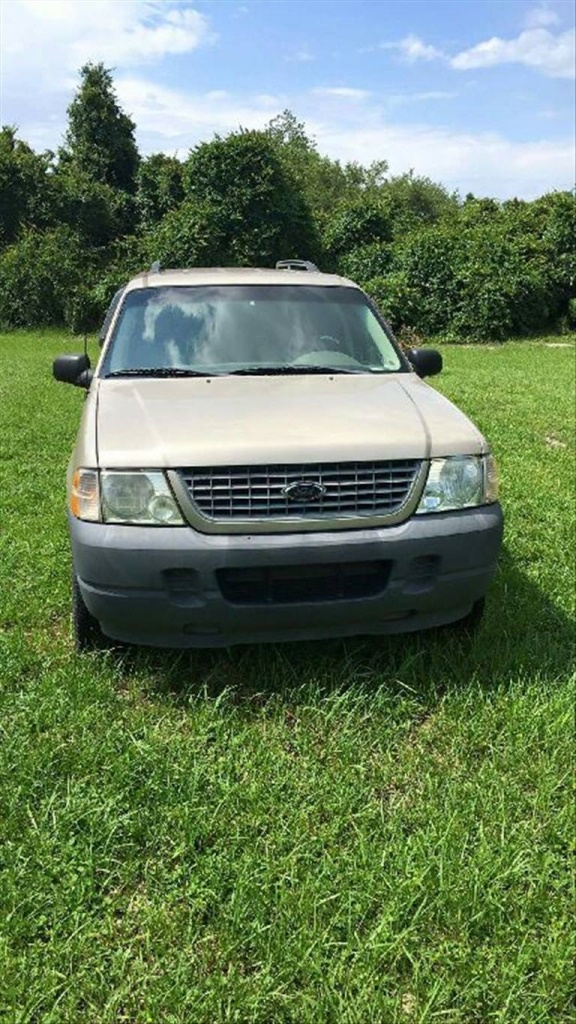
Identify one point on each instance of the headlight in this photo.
(461, 481)
(138, 497)
(124, 496)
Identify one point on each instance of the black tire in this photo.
(470, 624)
(85, 628)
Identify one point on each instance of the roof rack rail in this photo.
(296, 265)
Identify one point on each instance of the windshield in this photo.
(227, 329)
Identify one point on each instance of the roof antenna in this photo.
(156, 267)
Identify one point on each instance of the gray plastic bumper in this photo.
(160, 586)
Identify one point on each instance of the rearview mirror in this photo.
(426, 361)
(73, 369)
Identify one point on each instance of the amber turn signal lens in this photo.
(85, 495)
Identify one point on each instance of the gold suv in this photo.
(258, 460)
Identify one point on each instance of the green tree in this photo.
(97, 212)
(363, 223)
(124, 258)
(324, 183)
(100, 137)
(415, 202)
(159, 188)
(551, 222)
(27, 193)
(194, 235)
(366, 262)
(241, 183)
(479, 210)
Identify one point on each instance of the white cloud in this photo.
(412, 48)
(302, 56)
(553, 55)
(67, 33)
(341, 92)
(420, 97)
(484, 163)
(267, 101)
(172, 119)
(44, 41)
(540, 17)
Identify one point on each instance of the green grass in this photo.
(364, 832)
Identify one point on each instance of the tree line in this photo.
(76, 224)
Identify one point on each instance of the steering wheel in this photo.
(370, 349)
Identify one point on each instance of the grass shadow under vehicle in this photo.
(522, 633)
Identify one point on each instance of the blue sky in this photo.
(477, 94)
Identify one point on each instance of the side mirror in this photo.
(426, 361)
(73, 369)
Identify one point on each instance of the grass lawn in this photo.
(366, 832)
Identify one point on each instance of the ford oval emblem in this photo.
(303, 491)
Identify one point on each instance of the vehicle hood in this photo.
(249, 420)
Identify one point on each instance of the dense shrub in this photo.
(367, 261)
(415, 202)
(424, 270)
(38, 274)
(159, 188)
(97, 212)
(395, 298)
(494, 271)
(196, 234)
(358, 237)
(500, 289)
(556, 231)
(83, 310)
(76, 226)
(364, 222)
(124, 259)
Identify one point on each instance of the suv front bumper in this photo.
(161, 586)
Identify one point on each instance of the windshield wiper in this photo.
(244, 371)
(273, 371)
(158, 371)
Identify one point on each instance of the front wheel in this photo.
(85, 628)
(470, 624)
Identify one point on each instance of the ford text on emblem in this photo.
(302, 491)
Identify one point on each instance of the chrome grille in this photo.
(363, 489)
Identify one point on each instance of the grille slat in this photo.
(366, 489)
